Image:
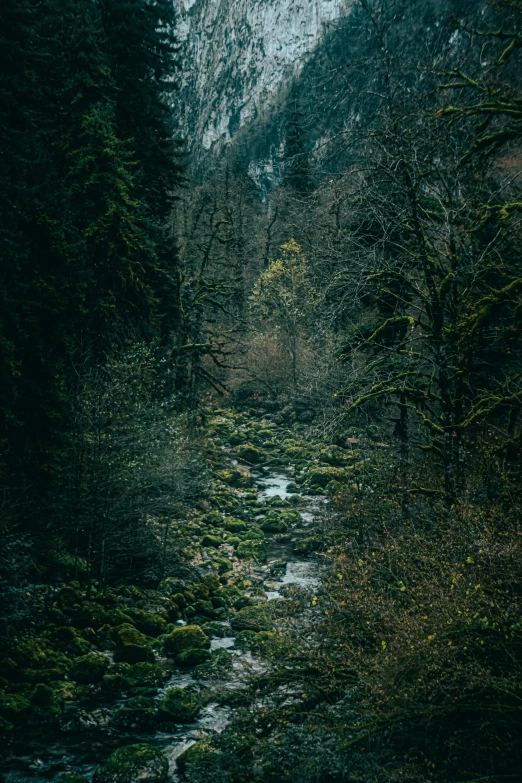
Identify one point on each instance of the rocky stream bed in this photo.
(95, 723)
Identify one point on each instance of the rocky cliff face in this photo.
(238, 54)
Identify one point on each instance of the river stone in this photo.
(186, 638)
(134, 764)
(148, 623)
(192, 657)
(131, 645)
(198, 755)
(179, 705)
(255, 549)
(250, 453)
(252, 618)
(89, 668)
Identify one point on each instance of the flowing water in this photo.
(89, 741)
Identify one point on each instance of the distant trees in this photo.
(89, 172)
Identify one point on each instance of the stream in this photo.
(37, 758)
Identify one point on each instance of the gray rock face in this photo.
(238, 53)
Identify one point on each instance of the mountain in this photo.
(238, 54)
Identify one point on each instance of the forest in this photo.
(260, 404)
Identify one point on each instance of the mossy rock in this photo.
(291, 516)
(192, 657)
(270, 644)
(14, 709)
(214, 629)
(78, 646)
(237, 438)
(223, 566)
(189, 637)
(88, 614)
(179, 600)
(89, 668)
(134, 764)
(31, 654)
(116, 617)
(148, 623)
(45, 701)
(138, 714)
(201, 755)
(234, 525)
(296, 500)
(319, 478)
(131, 645)
(250, 453)
(274, 523)
(252, 618)
(253, 533)
(232, 540)
(252, 549)
(244, 639)
(205, 609)
(307, 545)
(211, 541)
(277, 502)
(213, 518)
(179, 706)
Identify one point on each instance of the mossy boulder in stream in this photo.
(190, 637)
(250, 453)
(137, 715)
(134, 764)
(89, 668)
(148, 623)
(252, 549)
(252, 618)
(131, 645)
(192, 657)
(179, 706)
(137, 679)
(274, 523)
(234, 525)
(201, 755)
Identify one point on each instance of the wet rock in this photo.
(250, 453)
(190, 637)
(192, 657)
(274, 523)
(179, 706)
(252, 549)
(131, 645)
(72, 777)
(199, 755)
(252, 618)
(89, 668)
(211, 541)
(234, 525)
(137, 715)
(307, 545)
(148, 623)
(134, 764)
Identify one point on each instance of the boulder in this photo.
(89, 668)
(199, 755)
(252, 618)
(134, 764)
(137, 715)
(179, 706)
(148, 623)
(131, 645)
(234, 525)
(190, 637)
(192, 657)
(252, 549)
(250, 453)
(211, 541)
